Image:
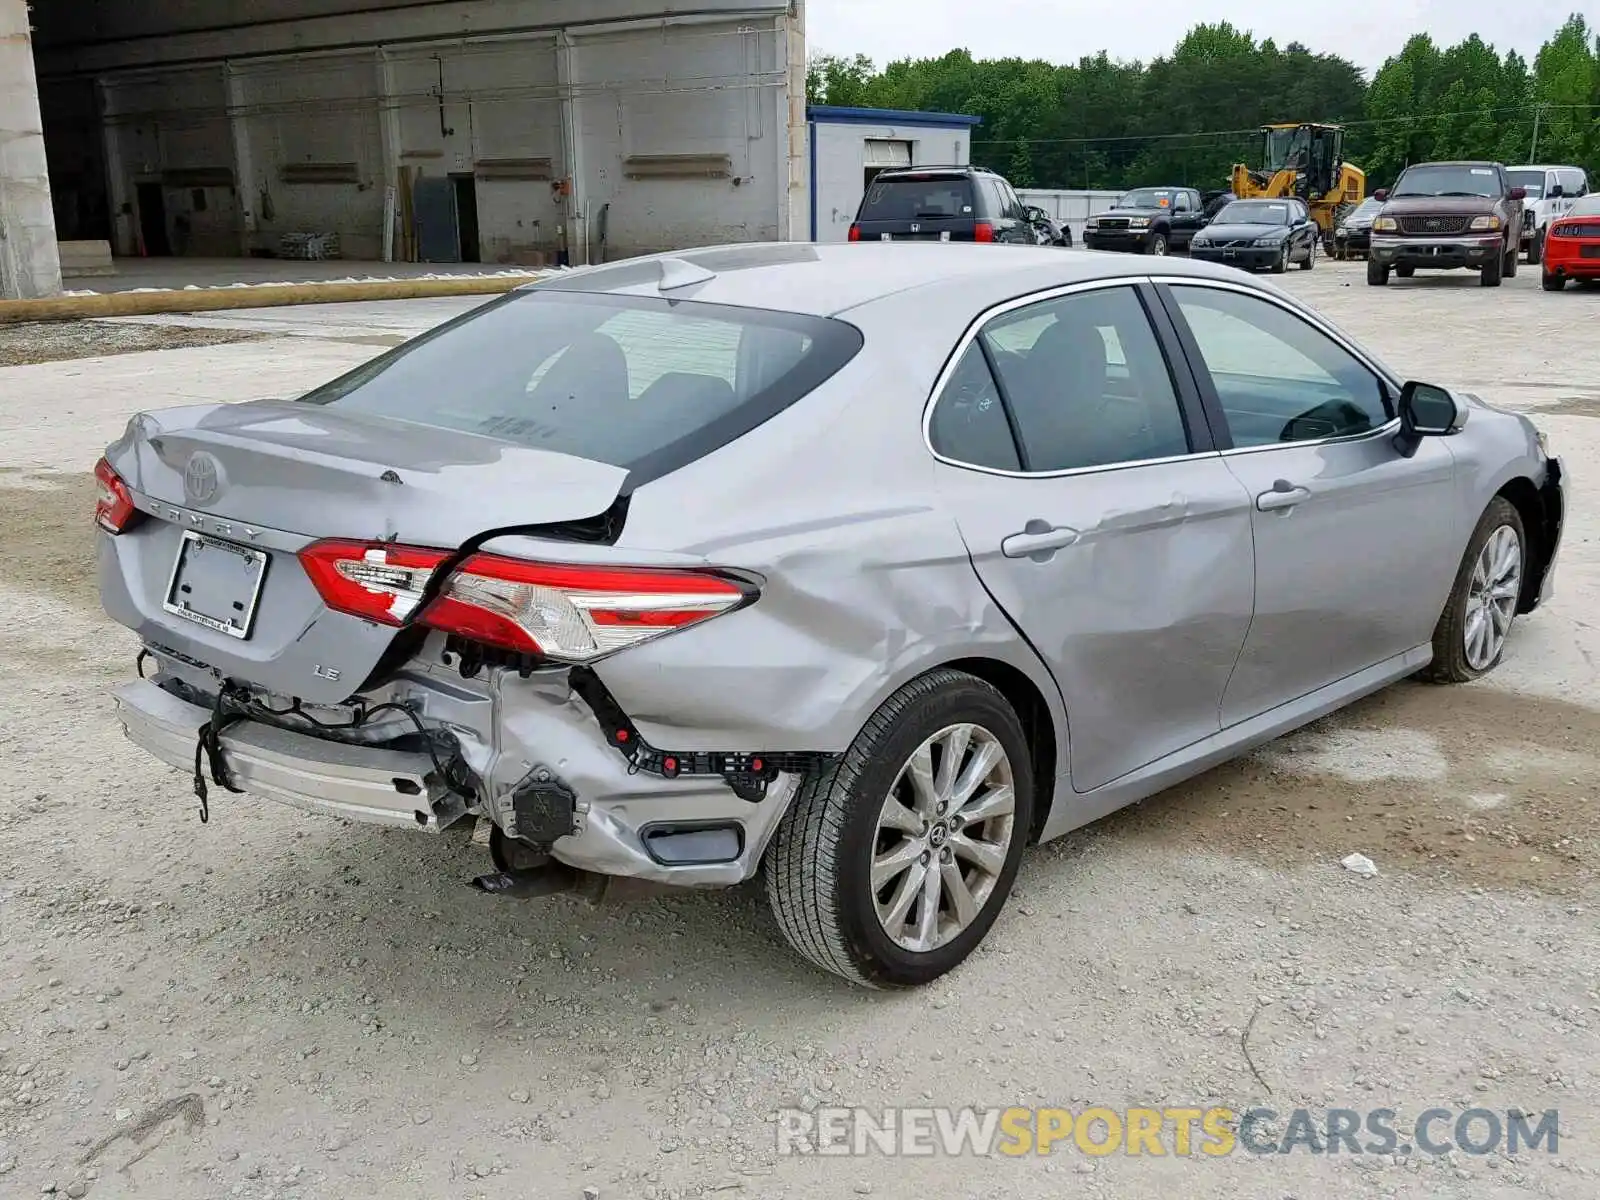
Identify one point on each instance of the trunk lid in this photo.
(232, 493)
(325, 472)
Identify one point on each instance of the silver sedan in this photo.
(859, 566)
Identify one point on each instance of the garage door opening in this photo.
(467, 217)
(883, 154)
(151, 199)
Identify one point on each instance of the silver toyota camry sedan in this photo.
(861, 567)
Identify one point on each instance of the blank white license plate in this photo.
(216, 584)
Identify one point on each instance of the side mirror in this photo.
(1427, 410)
(1557, 192)
(1519, 193)
(1381, 195)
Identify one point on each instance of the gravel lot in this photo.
(276, 1005)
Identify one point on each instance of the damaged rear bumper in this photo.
(358, 783)
(691, 831)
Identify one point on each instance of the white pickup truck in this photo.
(1550, 191)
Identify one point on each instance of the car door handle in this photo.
(1283, 496)
(1039, 539)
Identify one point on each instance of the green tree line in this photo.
(1187, 117)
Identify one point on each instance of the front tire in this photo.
(1509, 267)
(891, 866)
(1492, 272)
(1311, 257)
(1377, 273)
(1281, 263)
(1536, 248)
(1470, 638)
(1159, 245)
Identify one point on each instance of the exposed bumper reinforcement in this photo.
(360, 783)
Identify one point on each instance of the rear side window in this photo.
(909, 199)
(969, 423)
(641, 383)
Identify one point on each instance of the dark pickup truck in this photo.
(1448, 216)
(1151, 220)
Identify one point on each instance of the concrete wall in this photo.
(521, 94)
(839, 164)
(29, 263)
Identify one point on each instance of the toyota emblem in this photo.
(201, 478)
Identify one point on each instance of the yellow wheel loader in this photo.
(1306, 161)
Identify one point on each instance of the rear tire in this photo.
(1456, 657)
(1553, 282)
(820, 866)
(1377, 273)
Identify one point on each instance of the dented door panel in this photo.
(1142, 617)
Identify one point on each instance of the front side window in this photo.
(1278, 378)
(1086, 382)
(634, 382)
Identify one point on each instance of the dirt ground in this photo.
(277, 1005)
(44, 342)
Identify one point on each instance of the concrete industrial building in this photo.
(454, 130)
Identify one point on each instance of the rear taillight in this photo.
(983, 232)
(855, 233)
(113, 505)
(380, 583)
(572, 613)
(1561, 229)
(560, 611)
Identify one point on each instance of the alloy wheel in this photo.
(943, 836)
(1492, 597)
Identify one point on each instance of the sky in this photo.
(1364, 31)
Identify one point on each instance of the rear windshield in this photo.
(641, 383)
(1446, 180)
(910, 199)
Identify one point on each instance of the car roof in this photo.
(831, 278)
(1585, 206)
(1458, 162)
(1544, 167)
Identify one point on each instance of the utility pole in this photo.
(1533, 151)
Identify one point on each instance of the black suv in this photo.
(1151, 220)
(942, 204)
